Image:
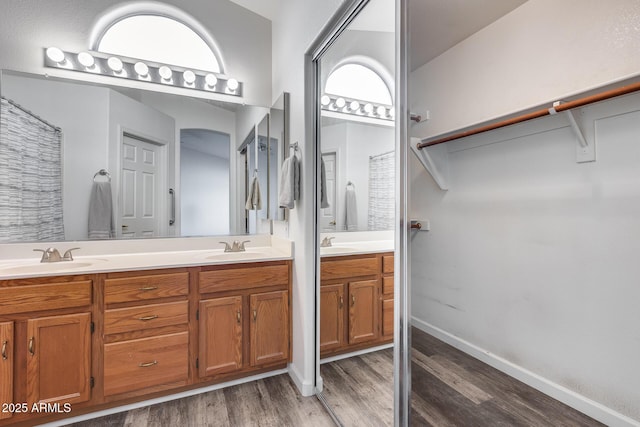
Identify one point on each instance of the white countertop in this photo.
(357, 248)
(279, 249)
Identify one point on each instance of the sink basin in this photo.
(46, 267)
(231, 256)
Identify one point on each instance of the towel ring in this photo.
(102, 172)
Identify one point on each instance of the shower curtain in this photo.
(30, 177)
(381, 204)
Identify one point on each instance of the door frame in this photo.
(162, 191)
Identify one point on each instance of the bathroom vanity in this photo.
(356, 297)
(80, 342)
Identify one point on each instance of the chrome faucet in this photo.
(236, 246)
(52, 255)
(326, 242)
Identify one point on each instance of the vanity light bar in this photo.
(356, 107)
(138, 70)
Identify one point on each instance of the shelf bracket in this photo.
(435, 160)
(585, 147)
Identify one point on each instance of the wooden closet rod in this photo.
(622, 90)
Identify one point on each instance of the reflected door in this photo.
(328, 215)
(139, 188)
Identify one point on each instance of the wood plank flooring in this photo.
(449, 388)
(271, 402)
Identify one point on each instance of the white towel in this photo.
(289, 183)
(254, 201)
(101, 212)
(324, 203)
(351, 208)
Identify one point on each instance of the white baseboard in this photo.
(162, 399)
(570, 398)
(307, 388)
(355, 353)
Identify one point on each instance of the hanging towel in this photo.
(324, 203)
(351, 208)
(289, 183)
(101, 212)
(254, 201)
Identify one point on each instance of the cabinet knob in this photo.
(238, 316)
(255, 315)
(148, 288)
(148, 364)
(32, 346)
(341, 301)
(147, 318)
(353, 300)
(4, 350)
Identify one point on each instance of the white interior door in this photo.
(328, 215)
(139, 190)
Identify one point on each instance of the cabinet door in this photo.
(6, 366)
(269, 329)
(363, 311)
(331, 316)
(387, 318)
(220, 328)
(59, 359)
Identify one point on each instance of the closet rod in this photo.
(580, 102)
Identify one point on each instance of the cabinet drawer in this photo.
(137, 364)
(387, 264)
(243, 278)
(145, 317)
(354, 267)
(387, 285)
(48, 296)
(140, 288)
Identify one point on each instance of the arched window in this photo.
(164, 40)
(359, 86)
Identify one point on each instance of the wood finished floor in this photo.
(449, 388)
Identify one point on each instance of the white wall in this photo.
(29, 26)
(531, 257)
(541, 52)
(205, 193)
(294, 29)
(353, 144)
(80, 111)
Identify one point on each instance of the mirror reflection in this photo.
(170, 162)
(356, 218)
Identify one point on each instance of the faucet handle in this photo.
(227, 248)
(68, 256)
(241, 246)
(45, 255)
(49, 255)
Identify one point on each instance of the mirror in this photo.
(356, 218)
(171, 160)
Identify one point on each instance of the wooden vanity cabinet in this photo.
(354, 302)
(45, 338)
(7, 344)
(146, 329)
(244, 318)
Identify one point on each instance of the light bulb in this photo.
(115, 64)
(55, 54)
(189, 77)
(141, 69)
(165, 72)
(232, 84)
(86, 59)
(325, 100)
(210, 80)
(368, 108)
(340, 102)
(380, 110)
(392, 112)
(354, 105)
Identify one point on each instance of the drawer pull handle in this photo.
(353, 300)
(255, 315)
(32, 347)
(147, 318)
(148, 364)
(148, 288)
(341, 301)
(238, 316)
(4, 350)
